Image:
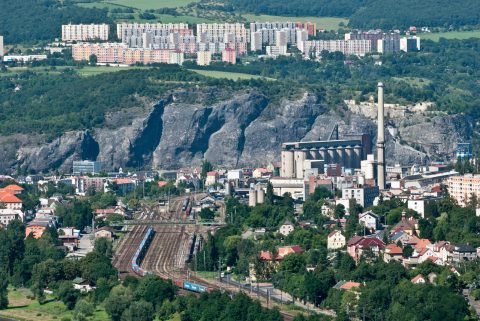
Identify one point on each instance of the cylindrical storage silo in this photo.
(252, 197)
(341, 156)
(332, 155)
(300, 156)
(288, 162)
(260, 194)
(349, 157)
(357, 150)
(324, 155)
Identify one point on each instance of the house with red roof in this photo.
(407, 225)
(419, 279)
(347, 285)
(13, 189)
(10, 201)
(262, 172)
(283, 251)
(393, 252)
(162, 183)
(125, 185)
(359, 245)
(212, 178)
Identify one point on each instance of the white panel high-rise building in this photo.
(2, 49)
(85, 32)
(256, 41)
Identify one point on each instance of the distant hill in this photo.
(404, 13)
(372, 13)
(34, 20)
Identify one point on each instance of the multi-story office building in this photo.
(409, 44)
(363, 195)
(274, 34)
(373, 36)
(121, 54)
(256, 42)
(347, 47)
(2, 49)
(310, 27)
(222, 32)
(86, 167)
(85, 32)
(302, 35)
(255, 26)
(130, 32)
(462, 188)
(275, 51)
(229, 55)
(204, 58)
(388, 45)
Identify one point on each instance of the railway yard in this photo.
(171, 245)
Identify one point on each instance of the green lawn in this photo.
(227, 75)
(152, 4)
(96, 70)
(23, 308)
(328, 23)
(435, 36)
(164, 18)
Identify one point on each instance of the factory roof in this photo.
(322, 143)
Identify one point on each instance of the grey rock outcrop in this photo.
(244, 128)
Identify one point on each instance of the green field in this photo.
(227, 75)
(151, 4)
(165, 18)
(85, 71)
(435, 36)
(328, 23)
(23, 308)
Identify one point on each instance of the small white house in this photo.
(369, 219)
(286, 228)
(82, 285)
(335, 240)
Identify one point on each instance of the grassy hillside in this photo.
(327, 23)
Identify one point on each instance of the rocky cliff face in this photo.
(244, 129)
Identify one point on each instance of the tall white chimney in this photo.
(381, 139)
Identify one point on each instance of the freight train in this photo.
(185, 204)
(140, 253)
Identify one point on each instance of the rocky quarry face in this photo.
(244, 129)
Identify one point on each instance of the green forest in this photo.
(372, 13)
(36, 20)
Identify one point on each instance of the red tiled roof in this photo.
(6, 197)
(265, 255)
(350, 285)
(212, 173)
(162, 183)
(105, 211)
(418, 278)
(421, 244)
(121, 181)
(354, 240)
(393, 249)
(371, 241)
(13, 187)
(332, 233)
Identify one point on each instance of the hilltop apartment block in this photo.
(83, 32)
